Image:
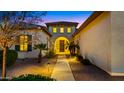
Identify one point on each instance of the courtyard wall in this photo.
(117, 43)
(102, 42)
(94, 41)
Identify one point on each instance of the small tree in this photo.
(10, 24)
(9, 30)
(41, 47)
(72, 47)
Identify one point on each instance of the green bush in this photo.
(79, 57)
(50, 54)
(86, 62)
(31, 77)
(11, 57)
(82, 60)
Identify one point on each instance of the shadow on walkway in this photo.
(91, 73)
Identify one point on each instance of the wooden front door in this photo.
(62, 47)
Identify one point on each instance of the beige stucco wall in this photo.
(102, 41)
(117, 43)
(34, 53)
(94, 41)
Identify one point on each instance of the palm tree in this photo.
(72, 47)
(40, 47)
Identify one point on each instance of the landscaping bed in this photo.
(30, 66)
(11, 57)
(32, 77)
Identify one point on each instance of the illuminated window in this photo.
(68, 30)
(23, 43)
(61, 30)
(54, 29)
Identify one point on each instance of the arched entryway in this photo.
(61, 46)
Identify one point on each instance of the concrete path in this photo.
(62, 70)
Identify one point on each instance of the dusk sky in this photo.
(73, 16)
(53, 16)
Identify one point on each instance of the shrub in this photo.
(31, 77)
(50, 54)
(11, 57)
(86, 62)
(79, 57)
(74, 55)
(82, 60)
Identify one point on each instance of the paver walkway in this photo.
(62, 70)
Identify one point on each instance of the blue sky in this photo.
(73, 16)
(53, 16)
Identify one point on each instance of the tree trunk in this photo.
(40, 56)
(74, 50)
(4, 64)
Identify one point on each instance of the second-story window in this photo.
(61, 30)
(54, 30)
(69, 30)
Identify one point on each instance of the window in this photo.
(54, 29)
(23, 43)
(61, 30)
(69, 30)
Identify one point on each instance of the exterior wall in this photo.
(94, 41)
(43, 38)
(58, 34)
(117, 47)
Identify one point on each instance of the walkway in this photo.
(62, 70)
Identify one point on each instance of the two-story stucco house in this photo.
(56, 35)
(61, 35)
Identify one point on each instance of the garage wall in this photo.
(94, 41)
(117, 47)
